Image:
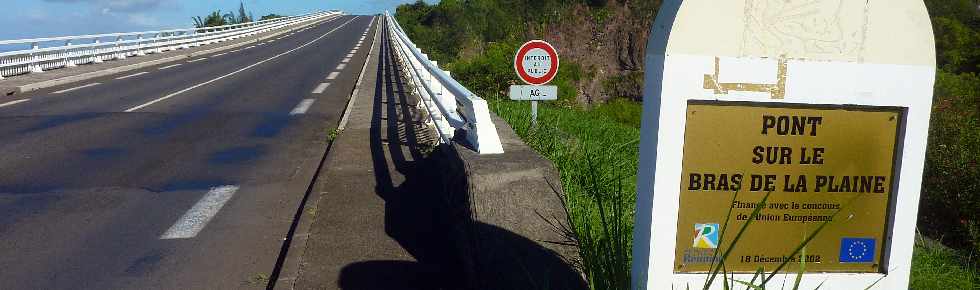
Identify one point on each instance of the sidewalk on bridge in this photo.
(391, 209)
(34, 81)
(376, 224)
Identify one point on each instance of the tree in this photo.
(218, 19)
(243, 16)
(271, 16)
(956, 45)
(214, 19)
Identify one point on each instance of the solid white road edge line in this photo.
(220, 54)
(360, 80)
(132, 75)
(320, 88)
(333, 75)
(189, 225)
(197, 60)
(302, 107)
(235, 72)
(76, 88)
(11, 103)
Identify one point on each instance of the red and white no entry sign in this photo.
(536, 62)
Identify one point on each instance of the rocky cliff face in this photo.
(608, 43)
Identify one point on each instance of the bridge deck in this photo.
(171, 177)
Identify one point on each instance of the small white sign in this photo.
(533, 93)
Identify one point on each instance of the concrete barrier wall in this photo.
(510, 225)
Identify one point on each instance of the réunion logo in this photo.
(706, 236)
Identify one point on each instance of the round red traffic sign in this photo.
(536, 62)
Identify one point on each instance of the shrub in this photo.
(951, 181)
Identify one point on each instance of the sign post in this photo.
(803, 123)
(536, 63)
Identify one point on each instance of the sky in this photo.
(45, 18)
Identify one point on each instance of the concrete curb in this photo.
(91, 75)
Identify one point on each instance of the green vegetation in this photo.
(595, 149)
(596, 156)
(935, 266)
(218, 19)
(950, 206)
(271, 16)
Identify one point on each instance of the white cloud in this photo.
(124, 5)
(142, 19)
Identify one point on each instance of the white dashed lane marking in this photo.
(170, 66)
(11, 103)
(320, 88)
(302, 107)
(333, 75)
(76, 88)
(189, 225)
(171, 95)
(132, 75)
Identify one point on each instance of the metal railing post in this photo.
(119, 50)
(183, 35)
(97, 56)
(66, 57)
(139, 45)
(35, 59)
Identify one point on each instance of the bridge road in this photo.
(184, 175)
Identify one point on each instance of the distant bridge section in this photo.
(40, 54)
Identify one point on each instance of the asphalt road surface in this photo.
(184, 175)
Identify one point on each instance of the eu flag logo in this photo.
(857, 250)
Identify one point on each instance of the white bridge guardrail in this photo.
(449, 104)
(37, 59)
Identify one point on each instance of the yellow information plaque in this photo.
(821, 164)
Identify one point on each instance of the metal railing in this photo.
(449, 105)
(69, 51)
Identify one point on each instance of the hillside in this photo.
(601, 43)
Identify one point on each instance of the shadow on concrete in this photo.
(387, 275)
(412, 204)
(427, 211)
